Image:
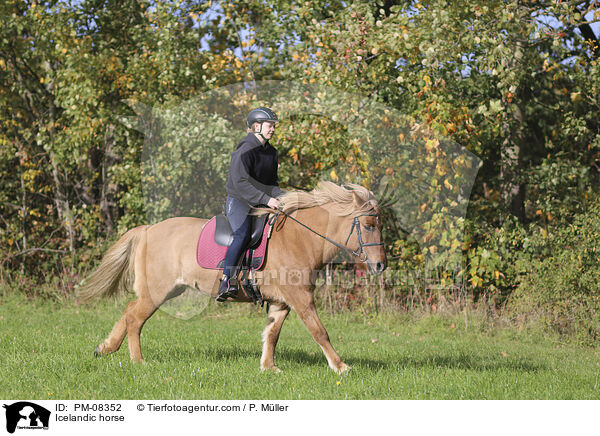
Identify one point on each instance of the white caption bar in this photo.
(258, 417)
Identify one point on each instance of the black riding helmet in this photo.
(260, 115)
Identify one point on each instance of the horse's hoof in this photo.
(343, 369)
(97, 352)
(271, 368)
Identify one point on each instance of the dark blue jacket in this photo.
(253, 172)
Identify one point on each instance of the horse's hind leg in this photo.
(114, 340)
(137, 316)
(277, 314)
(131, 323)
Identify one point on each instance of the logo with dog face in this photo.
(25, 415)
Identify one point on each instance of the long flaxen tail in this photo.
(116, 270)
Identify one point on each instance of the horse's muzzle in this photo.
(376, 268)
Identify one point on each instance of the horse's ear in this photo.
(358, 202)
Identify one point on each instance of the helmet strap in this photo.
(259, 133)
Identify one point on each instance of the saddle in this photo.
(217, 236)
(224, 232)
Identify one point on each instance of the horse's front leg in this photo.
(277, 314)
(305, 308)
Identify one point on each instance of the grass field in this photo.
(46, 352)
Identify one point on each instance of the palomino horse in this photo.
(160, 260)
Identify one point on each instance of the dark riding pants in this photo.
(241, 224)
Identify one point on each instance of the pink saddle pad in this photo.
(209, 254)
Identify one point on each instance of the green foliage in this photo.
(185, 172)
(560, 188)
(561, 286)
(516, 83)
(496, 264)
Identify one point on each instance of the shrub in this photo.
(562, 288)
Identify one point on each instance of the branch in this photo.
(589, 35)
(4, 221)
(237, 32)
(35, 249)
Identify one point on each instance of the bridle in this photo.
(355, 225)
(361, 244)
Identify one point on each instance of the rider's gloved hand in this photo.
(274, 203)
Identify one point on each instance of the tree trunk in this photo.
(589, 35)
(107, 195)
(23, 218)
(512, 188)
(61, 200)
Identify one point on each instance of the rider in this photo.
(252, 181)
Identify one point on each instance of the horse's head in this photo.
(354, 221)
(365, 237)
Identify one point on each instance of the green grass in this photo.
(46, 352)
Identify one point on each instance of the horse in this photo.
(158, 261)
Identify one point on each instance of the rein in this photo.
(355, 224)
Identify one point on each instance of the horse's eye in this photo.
(370, 228)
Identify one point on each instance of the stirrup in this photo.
(251, 289)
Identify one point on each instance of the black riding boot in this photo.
(228, 288)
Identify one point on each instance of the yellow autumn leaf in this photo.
(575, 97)
(431, 144)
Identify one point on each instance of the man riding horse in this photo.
(252, 181)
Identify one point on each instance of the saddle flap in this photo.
(258, 227)
(224, 233)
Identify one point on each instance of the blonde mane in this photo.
(341, 197)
